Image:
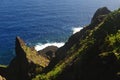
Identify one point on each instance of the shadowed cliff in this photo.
(98, 17)
(91, 54)
(26, 64)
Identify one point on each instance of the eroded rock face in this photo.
(98, 62)
(91, 54)
(93, 65)
(98, 17)
(27, 62)
(100, 14)
(48, 52)
(30, 53)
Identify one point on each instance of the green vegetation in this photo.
(114, 43)
(95, 55)
(106, 35)
(3, 66)
(64, 63)
(32, 55)
(114, 40)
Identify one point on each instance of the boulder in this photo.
(48, 52)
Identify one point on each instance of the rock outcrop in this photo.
(98, 17)
(100, 14)
(93, 53)
(3, 70)
(48, 52)
(27, 62)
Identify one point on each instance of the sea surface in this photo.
(41, 23)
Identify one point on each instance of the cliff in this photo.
(91, 54)
(49, 52)
(26, 64)
(76, 38)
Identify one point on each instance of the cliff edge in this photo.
(92, 53)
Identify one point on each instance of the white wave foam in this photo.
(40, 46)
(76, 29)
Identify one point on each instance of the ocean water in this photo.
(44, 22)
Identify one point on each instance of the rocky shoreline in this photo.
(92, 53)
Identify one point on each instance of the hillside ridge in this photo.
(92, 53)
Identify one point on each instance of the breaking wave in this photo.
(76, 29)
(41, 46)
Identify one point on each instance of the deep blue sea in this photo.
(43, 21)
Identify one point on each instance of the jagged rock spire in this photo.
(99, 14)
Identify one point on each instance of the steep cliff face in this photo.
(27, 62)
(3, 70)
(48, 52)
(61, 53)
(99, 15)
(99, 60)
(92, 54)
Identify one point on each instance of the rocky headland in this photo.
(90, 54)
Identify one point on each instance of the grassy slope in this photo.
(31, 54)
(37, 59)
(3, 66)
(106, 33)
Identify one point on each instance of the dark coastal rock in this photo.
(27, 62)
(3, 70)
(48, 52)
(91, 54)
(99, 60)
(100, 14)
(98, 17)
